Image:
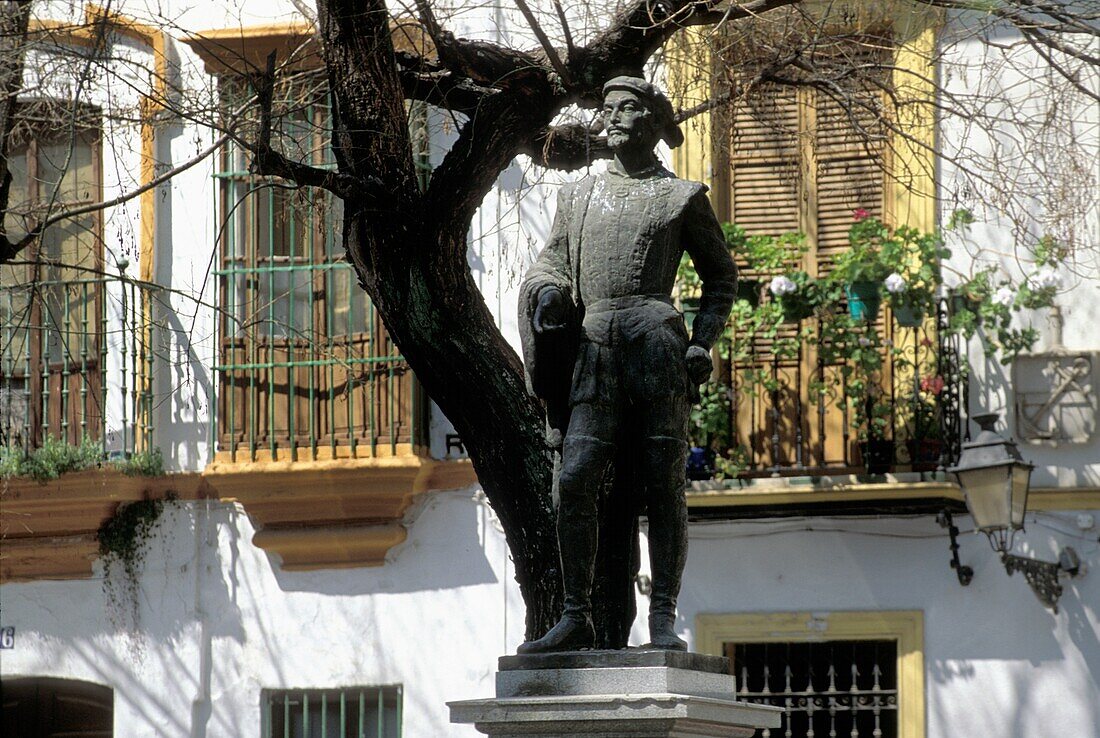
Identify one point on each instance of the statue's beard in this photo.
(618, 140)
(631, 142)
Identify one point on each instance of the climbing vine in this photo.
(122, 541)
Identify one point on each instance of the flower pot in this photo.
(907, 316)
(924, 450)
(864, 300)
(795, 310)
(878, 455)
(749, 291)
(699, 466)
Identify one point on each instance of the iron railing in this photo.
(76, 364)
(829, 688)
(306, 368)
(789, 413)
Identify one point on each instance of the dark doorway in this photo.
(50, 708)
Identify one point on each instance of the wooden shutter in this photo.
(801, 159)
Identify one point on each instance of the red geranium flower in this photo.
(934, 384)
(860, 214)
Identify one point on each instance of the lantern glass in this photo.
(1021, 481)
(988, 493)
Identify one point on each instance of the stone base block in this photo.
(615, 694)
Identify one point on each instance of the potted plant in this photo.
(925, 446)
(901, 263)
(796, 293)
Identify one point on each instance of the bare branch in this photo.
(644, 26)
(567, 147)
(547, 47)
(569, 45)
(14, 22)
(40, 227)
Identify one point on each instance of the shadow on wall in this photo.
(183, 386)
(445, 549)
(165, 626)
(1005, 656)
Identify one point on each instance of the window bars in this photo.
(361, 712)
(830, 688)
(306, 368)
(76, 364)
(76, 343)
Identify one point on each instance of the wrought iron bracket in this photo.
(964, 573)
(1042, 576)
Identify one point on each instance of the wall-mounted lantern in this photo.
(995, 479)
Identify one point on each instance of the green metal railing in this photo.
(373, 712)
(76, 364)
(305, 366)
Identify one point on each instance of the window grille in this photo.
(829, 688)
(306, 368)
(366, 712)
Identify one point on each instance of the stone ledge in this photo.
(627, 679)
(628, 657)
(615, 716)
(311, 514)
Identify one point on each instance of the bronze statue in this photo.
(608, 352)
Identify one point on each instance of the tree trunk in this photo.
(14, 19)
(451, 341)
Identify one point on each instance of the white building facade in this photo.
(324, 561)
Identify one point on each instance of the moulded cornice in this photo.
(309, 514)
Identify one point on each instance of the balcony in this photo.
(76, 365)
(77, 361)
(793, 421)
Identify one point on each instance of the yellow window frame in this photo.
(906, 627)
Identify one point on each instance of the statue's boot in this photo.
(584, 466)
(664, 460)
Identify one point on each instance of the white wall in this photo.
(1025, 164)
(219, 622)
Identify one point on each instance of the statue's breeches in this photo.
(631, 355)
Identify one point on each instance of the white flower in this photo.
(782, 285)
(895, 284)
(1005, 296)
(1047, 278)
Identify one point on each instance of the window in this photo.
(365, 712)
(846, 130)
(853, 674)
(51, 708)
(306, 367)
(844, 688)
(799, 160)
(52, 350)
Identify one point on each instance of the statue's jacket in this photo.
(614, 250)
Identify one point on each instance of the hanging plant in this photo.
(122, 541)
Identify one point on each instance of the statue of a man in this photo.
(609, 353)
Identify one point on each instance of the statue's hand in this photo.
(550, 313)
(699, 364)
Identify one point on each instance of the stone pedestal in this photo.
(615, 694)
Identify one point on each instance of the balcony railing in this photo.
(76, 364)
(786, 405)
